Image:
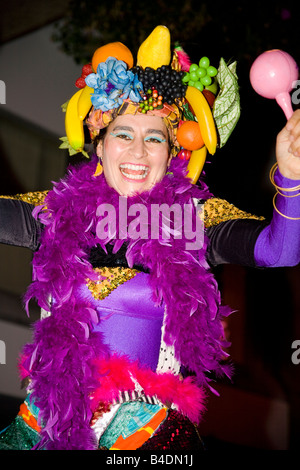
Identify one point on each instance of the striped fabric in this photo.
(127, 396)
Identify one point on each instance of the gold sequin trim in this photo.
(36, 198)
(109, 279)
(219, 210)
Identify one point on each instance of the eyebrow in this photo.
(148, 131)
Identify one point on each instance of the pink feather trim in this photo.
(23, 372)
(115, 376)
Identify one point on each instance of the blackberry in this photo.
(166, 81)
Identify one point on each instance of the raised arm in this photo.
(279, 243)
(256, 243)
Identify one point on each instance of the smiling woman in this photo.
(134, 153)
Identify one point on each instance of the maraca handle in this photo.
(284, 101)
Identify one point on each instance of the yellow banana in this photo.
(196, 163)
(204, 117)
(84, 102)
(73, 124)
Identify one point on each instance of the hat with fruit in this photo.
(198, 102)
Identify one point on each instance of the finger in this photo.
(295, 147)
(295, 132)
(293, 121)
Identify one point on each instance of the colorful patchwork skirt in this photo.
(133, 425)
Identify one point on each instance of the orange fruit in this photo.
(112, 49)
(189, 136)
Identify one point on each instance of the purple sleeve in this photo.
(279, 243)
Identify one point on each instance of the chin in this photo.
(134, 187)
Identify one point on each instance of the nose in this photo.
(138, 148)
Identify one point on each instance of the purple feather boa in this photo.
(61, 360)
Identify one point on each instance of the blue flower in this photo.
(112, 84)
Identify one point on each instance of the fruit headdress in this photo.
(199, 103)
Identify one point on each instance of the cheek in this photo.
(161, 160)
(159, 169)
(110, 154)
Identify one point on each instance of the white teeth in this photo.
(129, 166)
(133, 167)
(134, 177)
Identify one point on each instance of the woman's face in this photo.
(135, 153)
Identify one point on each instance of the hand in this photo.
(288, 148)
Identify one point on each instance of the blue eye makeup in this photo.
(127, 136)
(152, 138)
(122, 135)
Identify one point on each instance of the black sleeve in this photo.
(17, 225)
(233, 242)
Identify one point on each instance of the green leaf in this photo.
(187, 113)
(66, 145)
(64, 106)
(226, 109)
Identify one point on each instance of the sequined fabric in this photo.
(18, 436)
(23, 433)
(36, 198)
(176, 433)
(132, 425)
(218, 210)
(109, 279)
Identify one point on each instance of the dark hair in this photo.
(99, 137)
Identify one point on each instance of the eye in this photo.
(155, 140)
(122, 135)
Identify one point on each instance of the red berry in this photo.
(86, 70)
(80, 82)
(184, 154)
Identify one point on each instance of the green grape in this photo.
(206, 80)
(199, 86)
(201, 72)
(204, 62)
(212, 71)
(201, 76)
(193, 68)
(193, 76)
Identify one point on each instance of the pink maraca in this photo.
(272, 75)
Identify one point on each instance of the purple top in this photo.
(278, 243)
(130, 322)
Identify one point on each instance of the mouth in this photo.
(134, 172)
